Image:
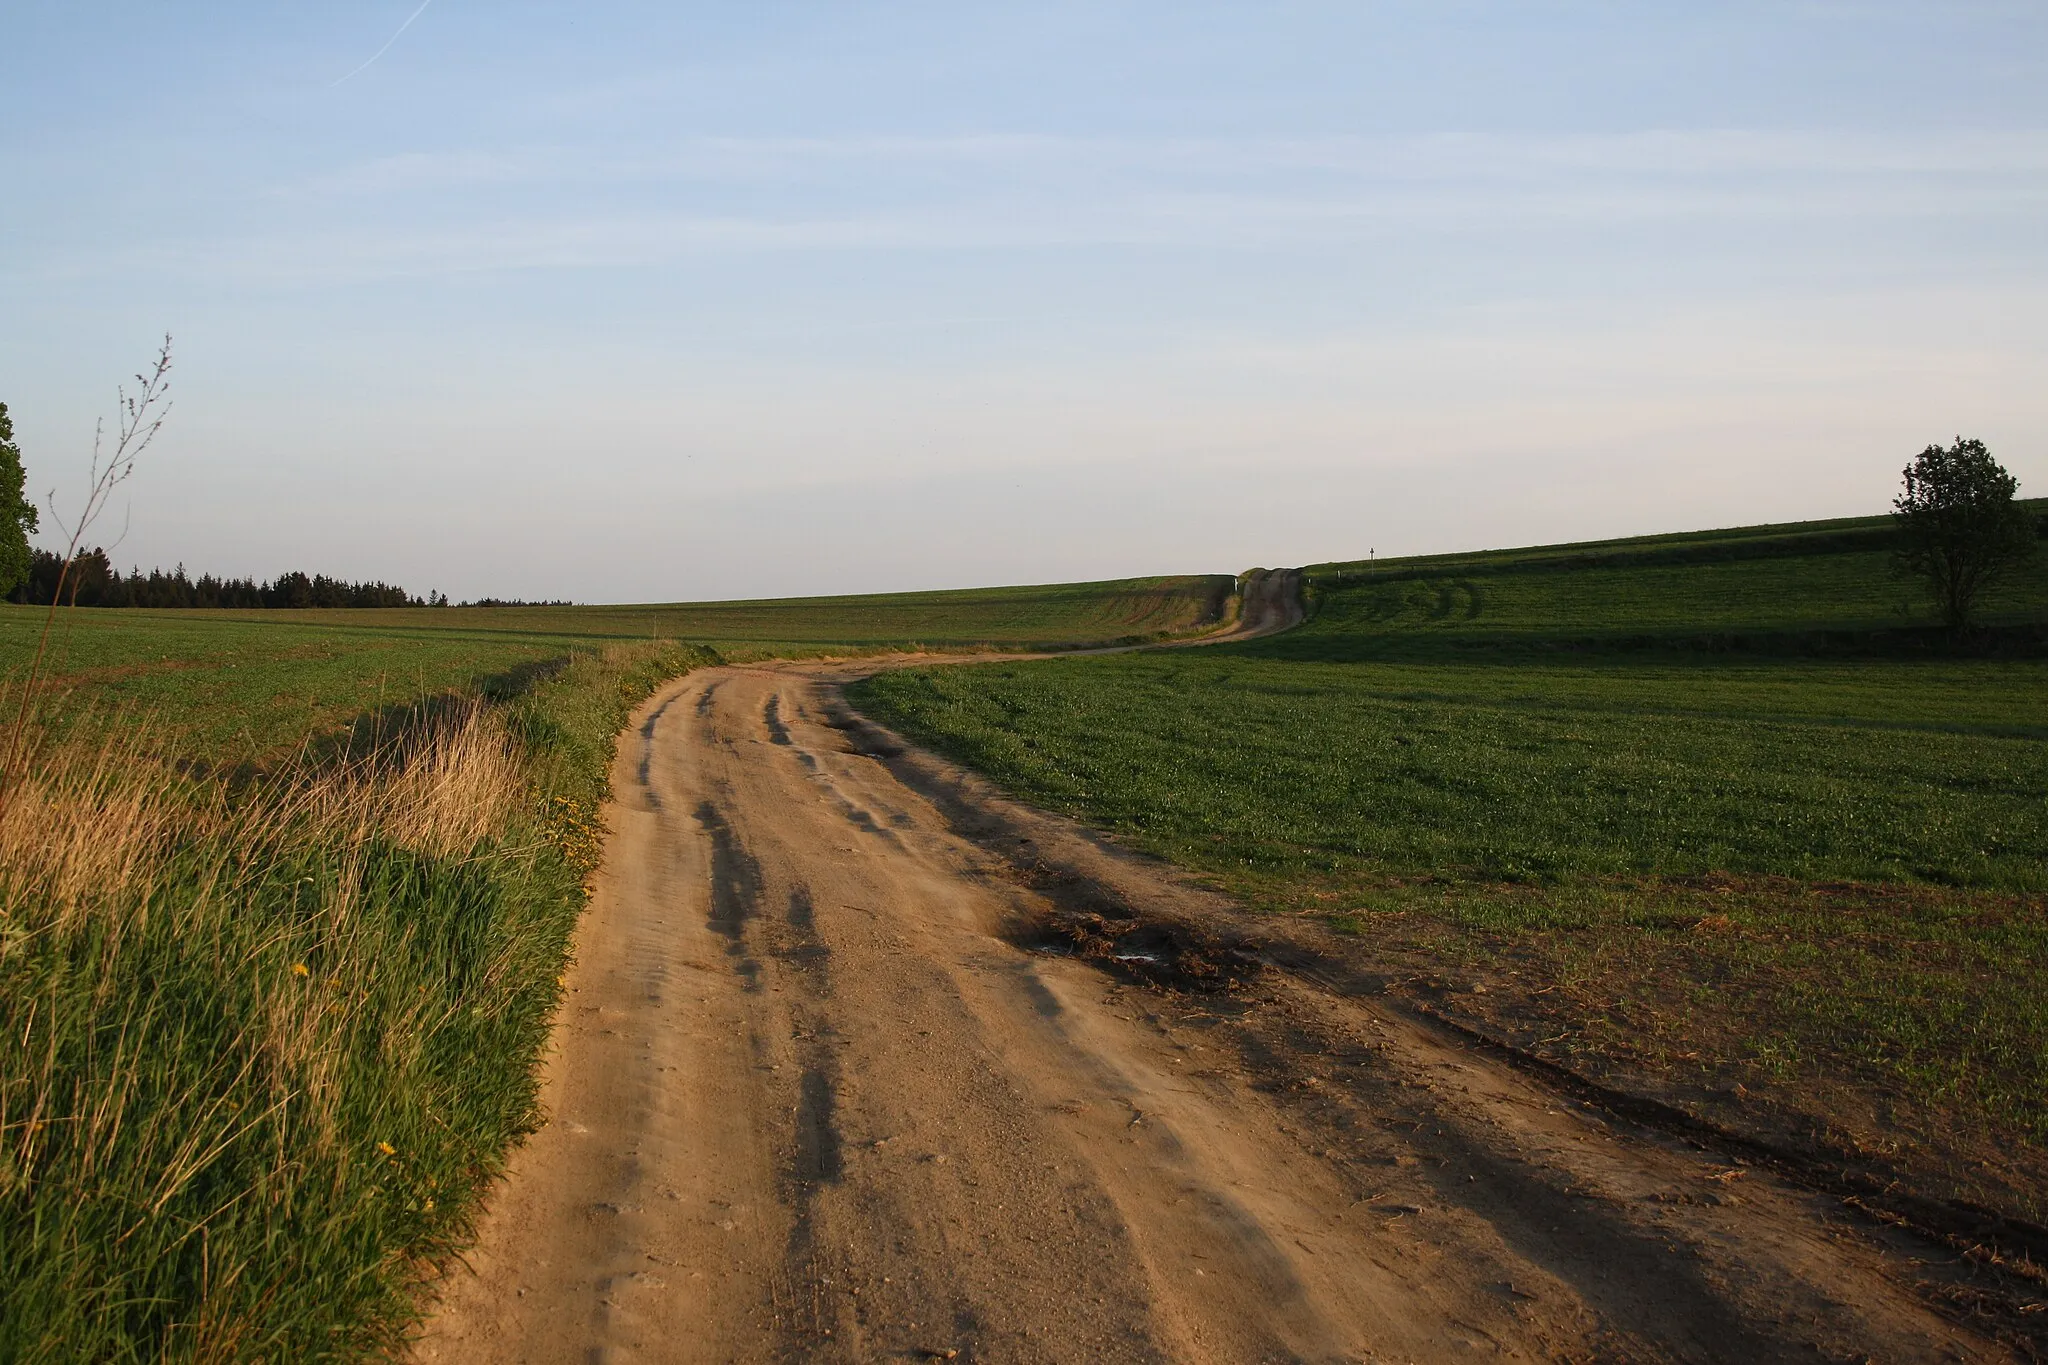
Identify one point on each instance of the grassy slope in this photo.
(250, 685)
(1657, 591)
(1044, 615)
(1813, 867)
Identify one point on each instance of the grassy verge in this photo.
(265, 1047)
(1806, 892)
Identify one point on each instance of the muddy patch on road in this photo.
(1152, 953)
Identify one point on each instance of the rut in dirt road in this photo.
(823, 1090)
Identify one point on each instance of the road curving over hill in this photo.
(862, 1062)
(1269, 601)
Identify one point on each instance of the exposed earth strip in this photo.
(862, 1062)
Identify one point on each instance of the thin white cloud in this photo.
(1432, 157)
(559, 208)
(1397, 217)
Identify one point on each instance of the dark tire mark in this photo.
(735, 890)
(818, 1157)
(817, 1150)
(1650, 1303)
(861, 819)
(1043, 1001)
(647, 750)
(771, 714)
(1627, 1276)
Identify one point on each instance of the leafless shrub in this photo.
(139, 417)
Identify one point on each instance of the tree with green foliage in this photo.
(1960, 529)
(17, 513)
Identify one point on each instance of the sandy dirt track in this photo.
(832, 1083)
(1270, 602)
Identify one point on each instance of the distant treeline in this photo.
(515, 602)
(94, 582)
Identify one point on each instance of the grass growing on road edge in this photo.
(266, 1046)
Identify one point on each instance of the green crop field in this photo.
(1316, 766)
(1821, 588)
(248, 685)
(1715, 809)
(1043, 616)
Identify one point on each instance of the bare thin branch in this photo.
(140, 416)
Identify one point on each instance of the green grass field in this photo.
(1789, 590)
(1429, 772)
(247, 686)
(1562, 762)
(1041, 616)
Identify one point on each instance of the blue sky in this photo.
(637, 301)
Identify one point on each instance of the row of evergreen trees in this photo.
(95, 582)
(29, 575)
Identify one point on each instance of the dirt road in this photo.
(1269, 602)
(861, 1062)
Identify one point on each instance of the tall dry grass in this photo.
(259, 1048)
(99, 811)
(264, 1042)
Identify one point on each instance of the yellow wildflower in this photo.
(301, 969)
(387, 1149)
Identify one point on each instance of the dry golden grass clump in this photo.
(262, 1043)
(96, 814)
(83, 821)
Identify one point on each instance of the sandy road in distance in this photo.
(819, 1092)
